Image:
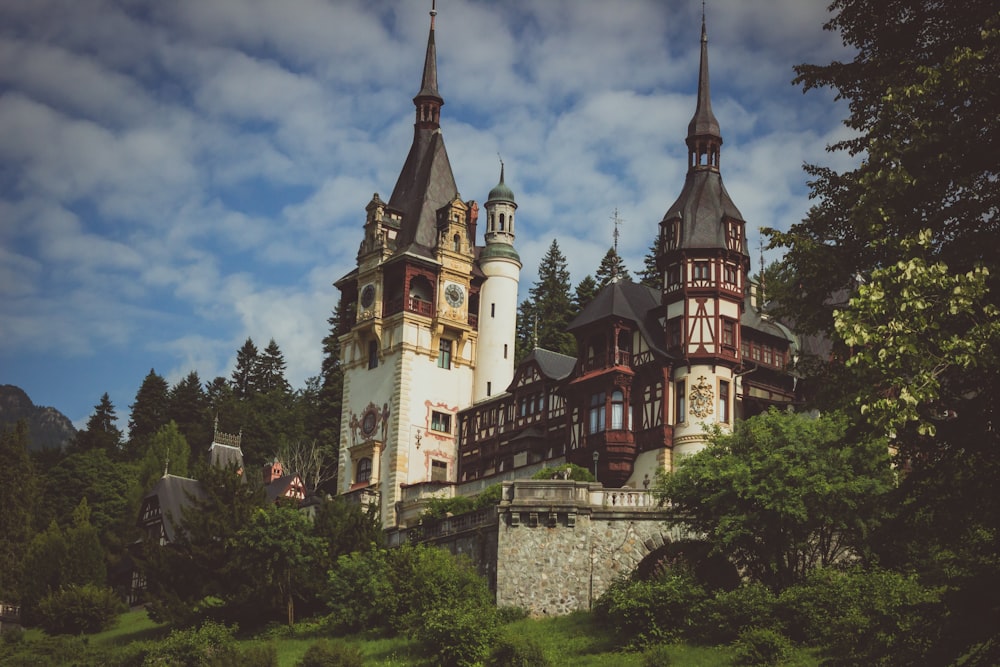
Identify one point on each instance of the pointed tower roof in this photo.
(704, 204)
(426, 182)
(704, 122)
(500, 191)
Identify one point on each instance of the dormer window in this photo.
(701, 271)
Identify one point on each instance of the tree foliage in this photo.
(148, 413)
(188, 408)
(916, 220)
(17, 506)
(543, 317)
(102, 431)
(611, 269)
(781, 495)
(585, 292)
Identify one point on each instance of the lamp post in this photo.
(597, 455)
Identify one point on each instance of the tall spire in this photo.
(704, 136)
(429, 101)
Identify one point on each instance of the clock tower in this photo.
(412, 327)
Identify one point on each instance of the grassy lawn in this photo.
(576, 640)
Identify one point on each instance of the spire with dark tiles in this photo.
(429, 101)
(426, 182)
(704, 136)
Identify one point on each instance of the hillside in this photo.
(49, 428)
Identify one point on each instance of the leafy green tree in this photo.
(106, 484)
(188, 407)
(245, 375)
(783, 494)
(612, 269)
(194, 574)
(148, 414)
(101, 432)
(17, 506)
(916, 216)
(546, 314)
(586, 290)
(276, 555)
(168, 451)
(60, 558)
(346, 527)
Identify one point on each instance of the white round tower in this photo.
(501, 264)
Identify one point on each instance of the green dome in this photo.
(499, 251)
(501, 192)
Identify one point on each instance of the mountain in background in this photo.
(49, 428)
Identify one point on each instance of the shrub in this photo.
(720, 618)
(647, 612)
(14, 635)
(491, 495)
(507, 614)
(210, 645)
(861, 616)
(79, 609)
(459, 633)
(258, 654)
(360, 593)
(657, 655)
(761, 646)
(517, 651)
(576, 473)
(332, 653)
(439, 508)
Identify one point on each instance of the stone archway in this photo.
(712, 570)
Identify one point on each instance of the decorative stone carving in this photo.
(702, 398)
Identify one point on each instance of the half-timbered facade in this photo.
(433, 404)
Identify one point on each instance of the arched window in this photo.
(501, 222)
(617, 410)
(364, 470)
(456, 243)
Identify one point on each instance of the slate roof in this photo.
(553, 365)
(426, 182)
(173, 494)
(630, 301)
(225, 455)
(701, 206)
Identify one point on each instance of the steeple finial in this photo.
(428, 101)
(704, 136)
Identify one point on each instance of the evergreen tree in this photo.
(189, 409)
(612, 269)
(101, 432)
(17, 500)
(547, 312)
(586, 290)
(149, 413)
(246, 373)
(323, 423)
(650, 275)
(271, 370)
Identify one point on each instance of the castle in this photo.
(433, 404)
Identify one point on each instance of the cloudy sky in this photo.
(178, 176)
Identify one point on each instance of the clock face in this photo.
(367, 296)
(454, 295)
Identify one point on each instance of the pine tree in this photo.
(650, 275)
(612, 269)
(331, 392)
(101, 432)
(168, 452)
(586, 290)
(189, 409)
(149, 413)
(271, 369)
(547, 312)
(246, 372)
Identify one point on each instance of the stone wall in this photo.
(560, 544)
(552, 546)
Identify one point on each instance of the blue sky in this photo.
(178, 176)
